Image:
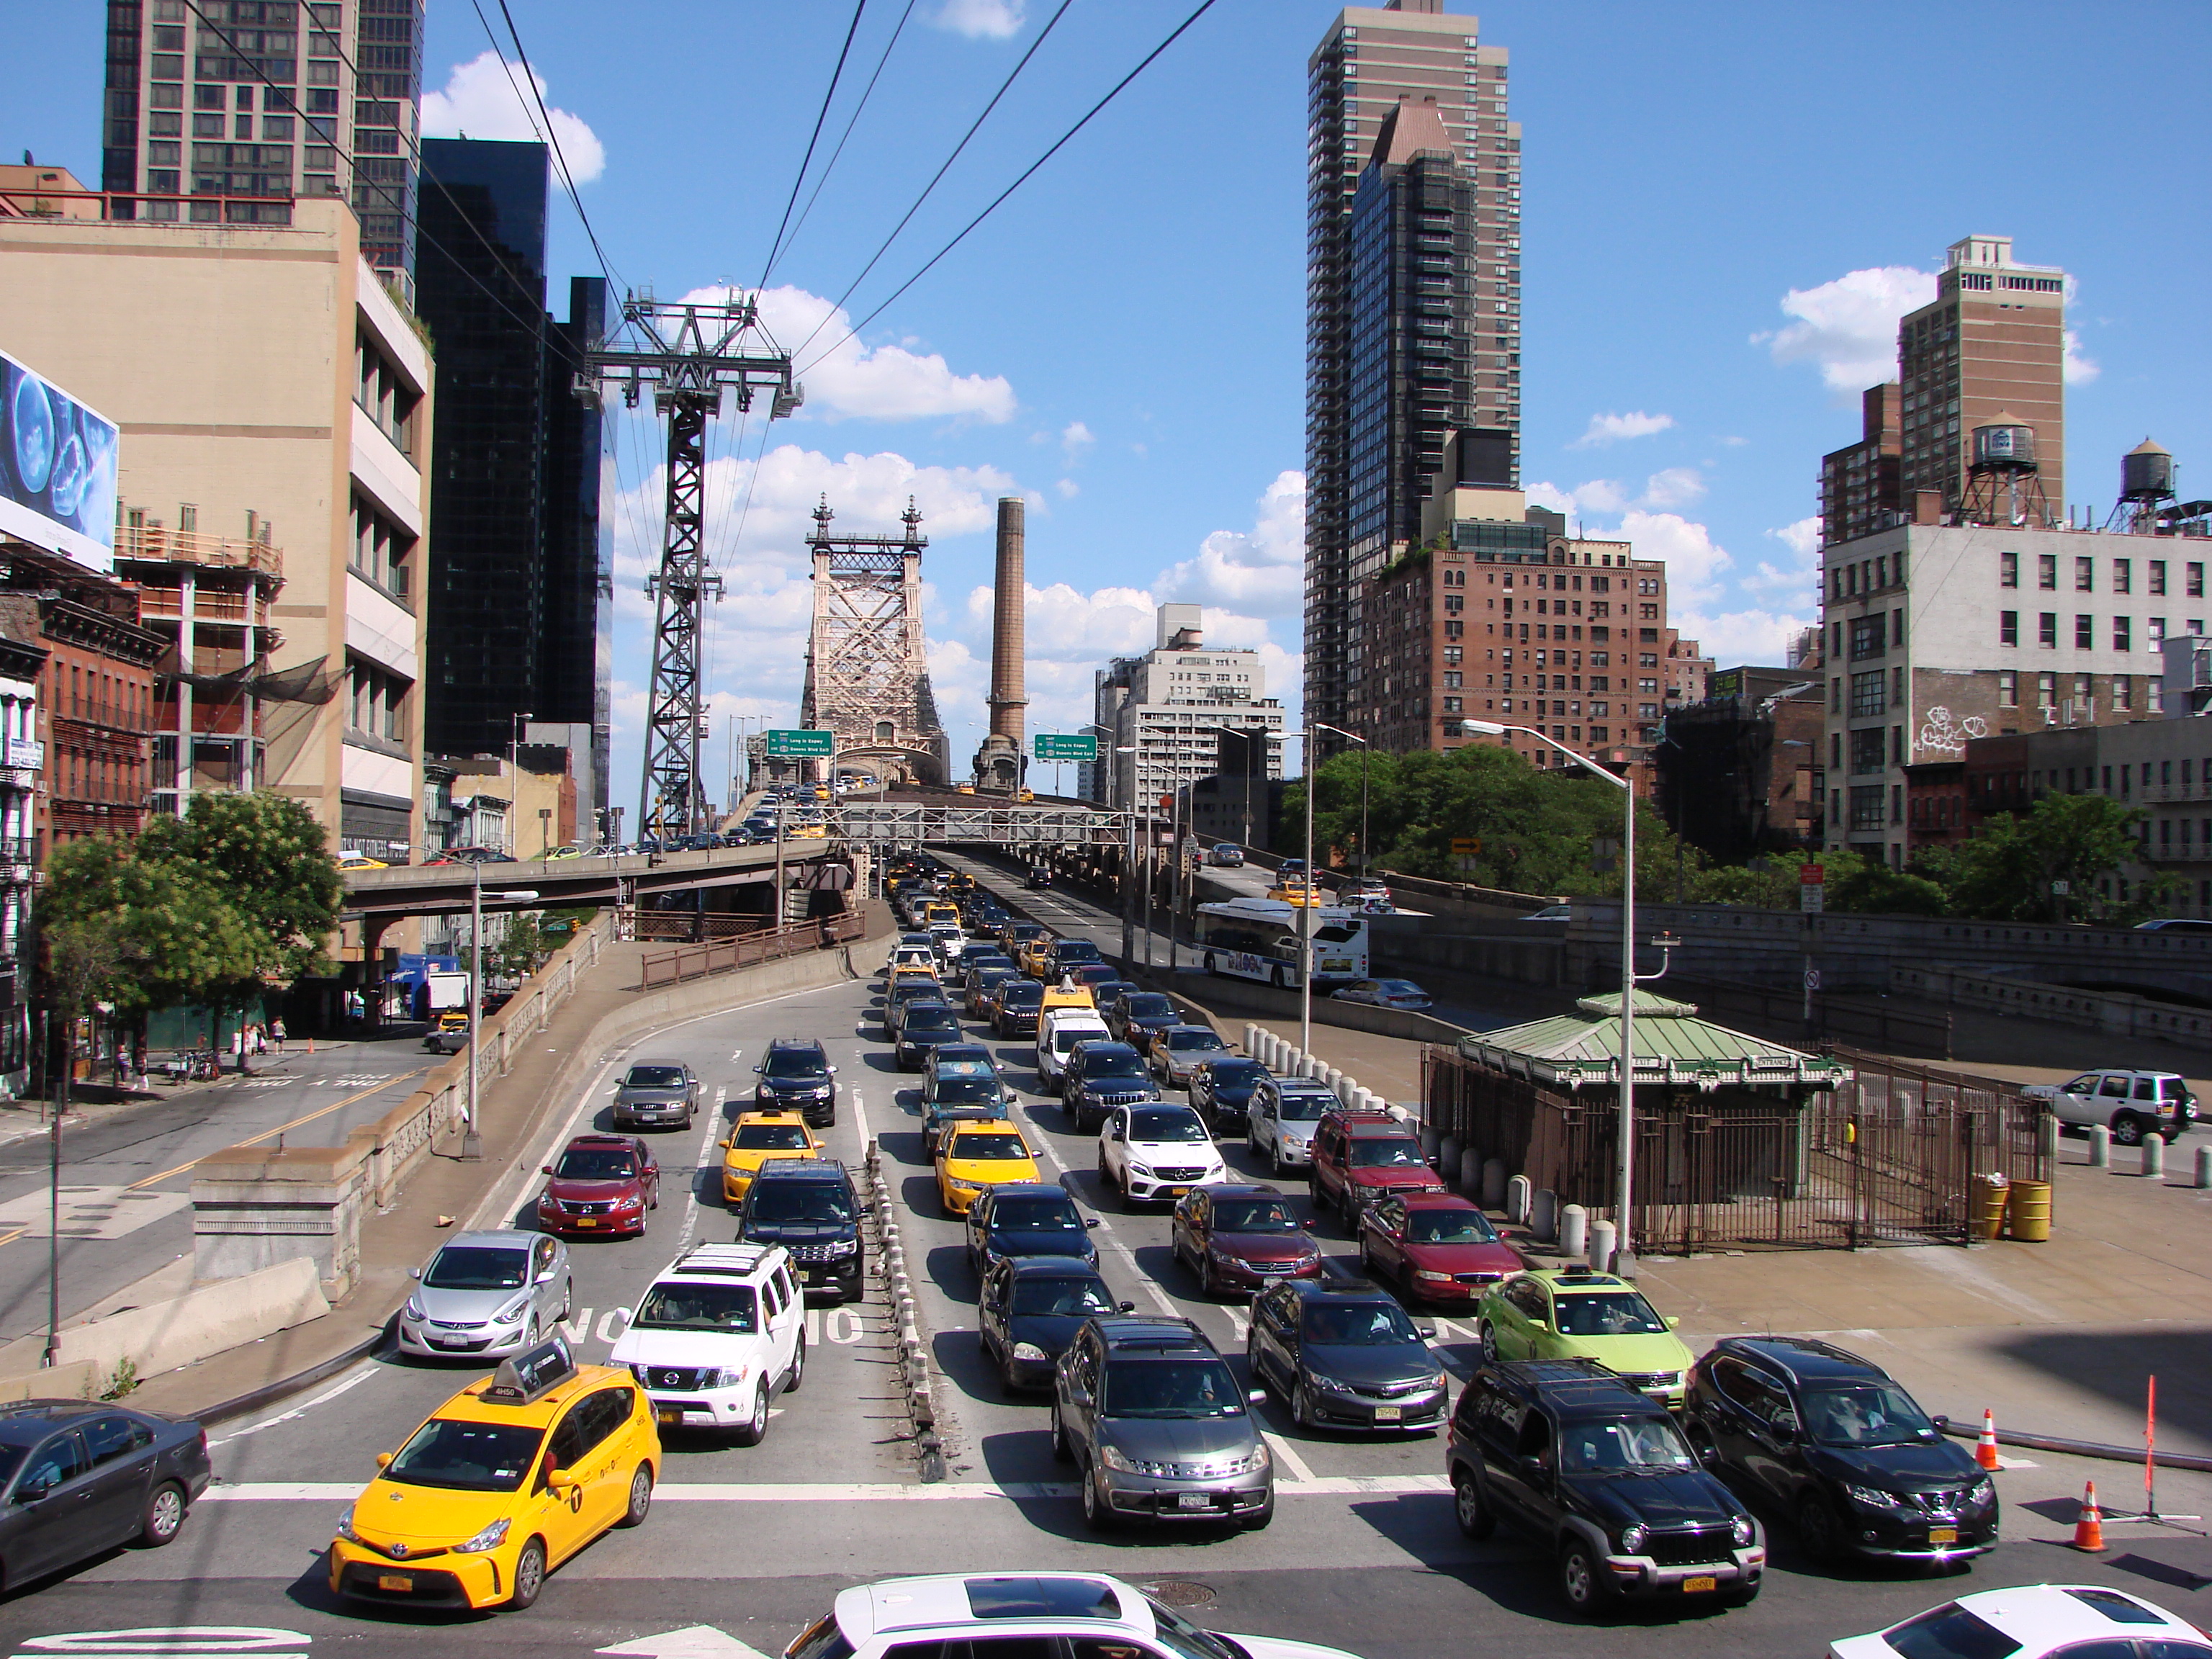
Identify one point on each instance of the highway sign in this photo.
(1463, 847)
(1064, 746)
(796, 744)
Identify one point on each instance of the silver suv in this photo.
(1281, 1119)
(2132, 1104)
(1157, 1428)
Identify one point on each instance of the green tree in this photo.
(2006, 872)
(522, 949)
(271, 859)
(139, 933)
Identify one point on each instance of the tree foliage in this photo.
(2007, 872)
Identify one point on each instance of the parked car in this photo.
(1281, 1117)
(1179, 1050)
(600, 1184)
(2132, 1104)
(796, 1075)
(1153, 1154)
(1237, 1237)
(1359, 1158)
(90, 1475)
(1437, 1247)
(1038, 1219)
(2174, 925)
(1157, 1428)
(1552, 913)
(1385, 993)
(1574, 1313)
(1342, 1355)
(487, 1294)
(2035, 1621)
(1030, 1309)
(1829, 1439)
(660, 1093)
(719, 1333)
(809, 1207)
(1564, 1451)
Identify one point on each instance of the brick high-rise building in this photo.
(1858, 482)
(1413, 305)
(224, 111)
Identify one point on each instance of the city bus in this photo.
(1261, 938)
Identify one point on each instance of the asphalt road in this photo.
(747, 1546)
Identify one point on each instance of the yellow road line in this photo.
(322, 1111)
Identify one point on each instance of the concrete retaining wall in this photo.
(164, 1335)
(2114, 1013)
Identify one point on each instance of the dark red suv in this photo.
(1361, 1157)
(1437, 1246)
(600, 1184)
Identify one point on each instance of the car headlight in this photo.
(489, 1539)
(345, 1526)
(728, 1377)
(1031, 1352)
(414, 1308)
(1740, 1530)
(960, 1186)
(512, 1315)
(1327, 1384)
(638, 1371)
(629, 1201)
(1220, 1255)
(1632, 1538)
(1983, 1492)
(1114, 1458)
(1873, 1497)
(842, 1247)
(1432, 1277)
(1137, 1168)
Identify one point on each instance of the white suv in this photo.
(1087, 1615)
(1155, 1153)
(721, 1329)
(2132, 1104)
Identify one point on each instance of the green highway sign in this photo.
(1060, 746)
(792, 745)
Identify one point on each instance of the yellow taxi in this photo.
(973, 1158)
(1295, 891)
(1036, 956)
(761, 1137)
(941, 911)
(814, 831)
(1025, 796)
(1066, 995)
(361, 861)
(507, 1480)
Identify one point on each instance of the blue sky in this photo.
(1725, 207)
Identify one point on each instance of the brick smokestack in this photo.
(1010, 587)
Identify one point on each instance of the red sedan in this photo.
(600, 1184)
(1236, 1238)
(1437, 1246)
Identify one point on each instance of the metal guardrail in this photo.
(721, 956)
(913, 824)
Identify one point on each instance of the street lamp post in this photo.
(1624, 1257)
(514, 774)
(1129, 857)
(1313, 888)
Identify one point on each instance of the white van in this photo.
(1059, 1030)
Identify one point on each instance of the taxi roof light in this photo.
(530, 1376)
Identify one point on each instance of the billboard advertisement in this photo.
(57, 469)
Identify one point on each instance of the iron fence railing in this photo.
(721, 956)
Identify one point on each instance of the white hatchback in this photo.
(2030, 1621)
(1087, 1615)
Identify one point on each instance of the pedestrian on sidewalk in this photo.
(260, 1041)
(138, 1061)
(277, 1034)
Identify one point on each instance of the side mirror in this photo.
(414, 1273)
(1256, 1396)
(724, 1145)
(1091, 1221)
(1539, 1324)
(561, 1481)
(1942, 1423)
(1673, 1321)
(833, 1070)
(545, 1169)
(1426, 1333)
(1312, 1223)
(32, 1490)
(1126, 1307)
(384, 1459)
(758, 1068)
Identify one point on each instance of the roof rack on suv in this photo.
(735, 1261)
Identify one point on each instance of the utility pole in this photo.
(691, 354)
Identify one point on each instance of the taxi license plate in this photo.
(1194, 1500)
(669, 1414)
(806, 1275)
(585, 1221)
(1387, 1414)
(395, 1581)
(1943, 1534)
(1694, 1586)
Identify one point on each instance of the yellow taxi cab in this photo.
(973, 1158)
(964, 788)
(1066, 995)
(361, 861)
(807, 832)
(1025, 796)
(960, 881)
(508, 1478)
(941, 911)
(1036, 955)
(915, 961)
(761, 1137)
(1295, 892)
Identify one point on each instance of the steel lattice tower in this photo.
(691, 354)
(867, 672)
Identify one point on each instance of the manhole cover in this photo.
(1178, 1593)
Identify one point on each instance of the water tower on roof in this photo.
(2003, 483)
(2146, 483)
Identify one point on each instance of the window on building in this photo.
(2007, 628)
(2157, 576)
(2046, 629)
(1867, 636)
(2120, 629)
(2123, 577)
(1868, 750)
(2046, 690)
(1835, 695)
(2085, 632)
(2007, 689)
(2085, 575)
(1867, 694)
(2007, 570)
(2193, 579)
(2123, 692)
(2085, 700)
(2046, 571)
(1866, 806)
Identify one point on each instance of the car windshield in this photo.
(1386, 1152)
(1040, 1214)
(1254, 1215)
(1170, 1388)
(1179, 1124)
(770, 1138)
(1638, 1442)
(801, 1200)
(1865, 1414)
(998, 1148)
(795, 1063)
(1304, 1106)
(1450, 1227)
(968, 1065)
(1949, 1632)
(963, 1090)
(1111, 1065)
(595, 1164)
(477, 1268)
(464, 1456)
(1358, 1325)
(1234, 1074)
(1148, 1004)
(1608, 1313)
(1186, 1640)
(1072, 951)
(930, 1018)
(679, 1306)
(655, 1077)
(1022, 993)
(1194, 1040)
(1067, 1298)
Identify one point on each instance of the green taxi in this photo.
(1574, 1313)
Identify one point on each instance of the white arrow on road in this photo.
(692, 1642)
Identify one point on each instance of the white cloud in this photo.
(2078, 370)
(1074, 439)
(1613, 428)
(996, 20)
(845, 379)
(1262, 569)
(1068, 488)
(1736, 443)
(484, 98)
(1672, 487)
(1848, 327)
(1676, 486)
(1803, 538)
(1743, 636)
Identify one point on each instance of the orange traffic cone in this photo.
(1986, 1450)
(2089, 1530)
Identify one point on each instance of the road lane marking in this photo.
(336, 1105)
(333, 1491)
(1289, 1459)
(699, 1166)
(1160, 1298)
(303, 1408)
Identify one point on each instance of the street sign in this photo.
(2061, 888)
(1465, 848)
(797, 743)
(1812, 899)
(1065, 746)
(1811, 875)
(1812, 979)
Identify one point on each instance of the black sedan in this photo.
(1031, 1308)
(86, 1476)
(1027, 1218)
(1343, 1354)
(927, 1024)
(1221, 1091)
(1140, 1013)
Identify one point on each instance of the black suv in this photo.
(808, 1206)
(1098, 1077)
(1563, 1450)
(1014, 1007)
(1830, 1441)
(796, 1075)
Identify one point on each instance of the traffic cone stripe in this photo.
(2089, 1530)
(1985, 1450)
